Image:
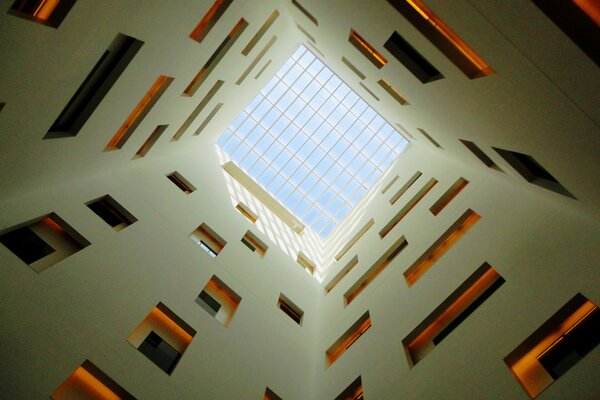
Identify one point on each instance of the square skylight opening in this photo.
(312, 142)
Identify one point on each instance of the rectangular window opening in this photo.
(256, 60)
(373, 272)
(428, 137)
(341, 274)
(556, 346)
(111, 212)
(308, 35)
(348, 338)
(208, 240)
(45, 12)
(290, 309)
(353, 68)
(152, 139)
(405, 187)
(219, 300)
(480, 154)
(366, 49)
(270, 395)
(86, 382)
(451, 313)
(532, 171)
(445, 242)
(43, 242)
(412, 59)
(448, 196)
(216, 57)
(94, 88)
(247, 212)
(389, 185)
(354, 391)
(368, 90)
(254, 243)
(208, 118)
(355, 238)
(194, 114)
(261, 32)
(264, 67)
(407, 208)
(210, 19)
(404, 130)
(306, 263)
(305, 12)
(182, 183)
(139, 113)
(443, 37)
(392, 91)
(162, 337)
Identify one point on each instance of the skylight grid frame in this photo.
(358, 137)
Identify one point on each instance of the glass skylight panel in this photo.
(312, 142)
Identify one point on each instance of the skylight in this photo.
(312, 142)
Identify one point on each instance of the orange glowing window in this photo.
(448, 196)
(182, 183)
(354, 391)
(451, 313)
(247, 212)
(366, 49)
(139, 112)
(253, 242)
(45, 12)
(443, 37)
(210, 19)
(208, 240)
(556, 346)
(392, 91)
(445, 242)
(348, 338)
(219, 300)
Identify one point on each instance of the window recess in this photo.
(448, 196)
(261, 32)
(152, 139)
(305, 32)
(305, 12)
(366, 49)
(377, 268)
(430, 138)
(392, 91)
(290, 309)
(139, 113)
(353, 68)
(354, 239)
(412, 59)
(443, 37)
(203, 103)
(264, 67)
(208, 118)
(94, 88)
(270, 395)
(556, 346)
(341, 274)
(406, 209)
(254, 243)
(162, 337)
(219, 300)
(390, 184)
(45, 12)
(256, 60)
(111, 212)
(348, 338)
(182, 183)
(208, 240)
(247, 212)
(210, 19)
(89, 382)
(405, 187)
(451, 313)
(368, 90)
(306, 263)
(216, 57)
(445, 242)
(354, 391)
(43, 242)
(480, 154)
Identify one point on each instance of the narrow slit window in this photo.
(445, 242)
(443, 37)
(208, 118)
(162, 337)
(353, 68)
(405, 187)
(533, 171)
(216, 57)
(308, 35)
(247, 212)
(367, 50)
(306, 263)
(451, 313)
(354, 391)
(208, 240)
(430, 138)
(341, 274)
(112, 212)
(368, 90)
(404, 130)
(392, 91)
(390, 184)
(2, 106)
(219, 300)
(261, 32)
(348, 338)
(210, 19)
(139, 113)
(86, 382)
(194, 114)
(412, 59)
(290, 309)
(270, 395)
(254, 243)
(355, 238)
(480, 154)
(256, 60)
(43, 242)
(448, 196)
(264, 67)
(95, 87)
(45, 12)
(305, 12)
(151, 141)
(373, 272)
(556, 346)
(182, 183)
(407, 208)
